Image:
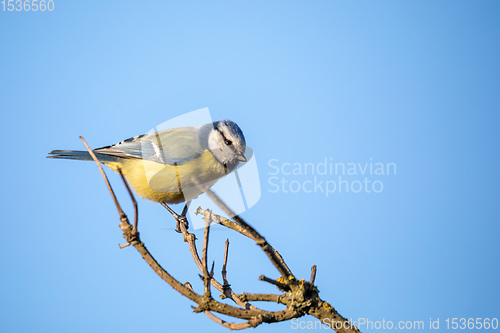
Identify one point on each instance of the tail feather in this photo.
(80, 155)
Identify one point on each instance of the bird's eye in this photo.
(228, 142)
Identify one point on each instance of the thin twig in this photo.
(190, 239)
(204, 256)
(134, 202)
(273, 255)
(313, 274)
(231, 326)
(91, 152)
(123, 216)
(212, 269)
(226, 284)
(276, 283)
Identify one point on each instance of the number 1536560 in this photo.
(27, 5)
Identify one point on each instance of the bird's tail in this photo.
(80, 155)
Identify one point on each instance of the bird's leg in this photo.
(183, 217)
(178, 218)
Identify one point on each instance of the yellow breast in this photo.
(170, 183)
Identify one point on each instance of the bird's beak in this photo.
(241, 157)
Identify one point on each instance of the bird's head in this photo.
(227, 143)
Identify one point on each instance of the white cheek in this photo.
(214, 146)
(212, 141)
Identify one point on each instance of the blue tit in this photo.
(162, 166)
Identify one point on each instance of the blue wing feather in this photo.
(172, 146)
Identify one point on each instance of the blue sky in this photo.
(412, 83)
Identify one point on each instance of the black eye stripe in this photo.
(226, 141)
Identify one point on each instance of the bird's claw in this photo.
(181, 219)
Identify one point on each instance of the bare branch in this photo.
(327, 314)
(206, 274)
(132, 237)
(91, 152)
(245, 229)
(301, 297)
(226, 284)
(260, 297)
(232, 326)
(203, 302)
(134, 202)
(190, 239)
(280, 285)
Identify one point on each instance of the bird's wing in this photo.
(172, 146)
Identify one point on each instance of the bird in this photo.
(165, 166)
